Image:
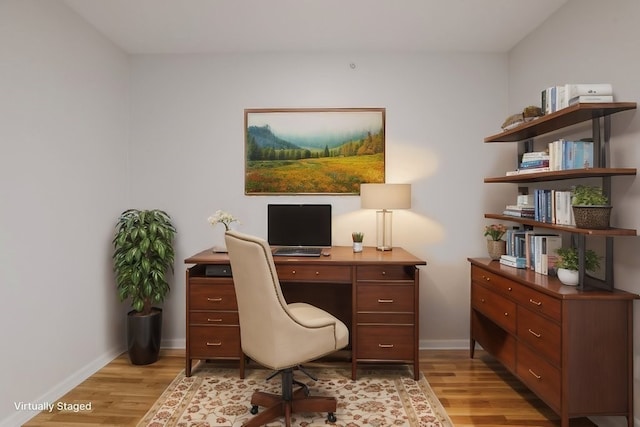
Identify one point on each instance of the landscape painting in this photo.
(313, 151)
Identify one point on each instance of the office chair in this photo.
(278, 335)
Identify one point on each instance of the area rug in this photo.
(378, 398)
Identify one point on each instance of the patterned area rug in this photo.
(379, 398)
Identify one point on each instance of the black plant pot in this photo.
(144, 333)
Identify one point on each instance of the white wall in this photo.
(188, 144)
(63, 181)
(591, 41)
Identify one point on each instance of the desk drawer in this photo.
(497, 283)
(541, 334)
(384, 272)
(386, 318)
(212, 297)
(214, 318)
(385, 342)
(319, 273)
(214, 341)
(496, 307)
(385, 297)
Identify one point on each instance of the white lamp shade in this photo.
(385, 196)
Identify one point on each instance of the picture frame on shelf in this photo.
(313, 150)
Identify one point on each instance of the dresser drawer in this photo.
(326, 273)
(541, 334)
(213, 318)
(212, 297)
(539, 302)
(381, 297)
(381, 272)
(498, 283)
(496, 307)
(540, 376)
(385, 342)
(214, 341)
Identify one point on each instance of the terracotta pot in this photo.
(496, 248)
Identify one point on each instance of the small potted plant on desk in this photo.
(567, 264)
(357, 237)
(143, 254)
(591, 207)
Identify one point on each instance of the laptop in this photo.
(298, 230)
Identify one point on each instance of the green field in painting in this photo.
(314, 175)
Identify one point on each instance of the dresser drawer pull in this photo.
(214, 344)
(214, 320)
(385, 345)
(385, 301)
(538, 303)
(483, 300)
(293, 272)
(488, 279)
(317, 273)
(534, 334)
(534, 374)
(384, 273)
(506, 314)
(214, 299)
(509, 288)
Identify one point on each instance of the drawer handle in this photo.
(482, 300)
(385, 301)
(214, 344)
(487, 278)
(384, 273)
(538, 303)
(509, 288)
(293, 272)
(214, 299)
(506, 314)
(317, 273)
(534, 374)
(534, 334)
(214, 320)
(385, 345)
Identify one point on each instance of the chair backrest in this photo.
(268, 331)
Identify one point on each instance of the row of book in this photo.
(555, 98)
(548, 206)
(531, 250)
(565, 154)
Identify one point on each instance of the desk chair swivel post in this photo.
(278, 335)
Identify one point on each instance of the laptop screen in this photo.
(299, 225)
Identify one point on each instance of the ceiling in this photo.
(221, 26)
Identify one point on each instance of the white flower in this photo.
(223, 218)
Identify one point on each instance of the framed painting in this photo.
(313, 151)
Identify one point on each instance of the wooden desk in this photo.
(376, 291)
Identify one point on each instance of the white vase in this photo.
(568, 277)
(357, 246)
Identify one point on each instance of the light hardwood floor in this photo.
(475, 392)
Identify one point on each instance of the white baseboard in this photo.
(614, 421)
(62, 388)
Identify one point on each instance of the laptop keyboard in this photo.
(297, 251)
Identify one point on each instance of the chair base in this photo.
(279, 405)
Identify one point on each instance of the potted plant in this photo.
(357, 237)
(567, 264)
(591, 207)
(495, 245)
(143, 255)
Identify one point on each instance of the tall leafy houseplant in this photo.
(143, 255)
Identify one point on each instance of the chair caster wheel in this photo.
(331, 418)
(254, 410)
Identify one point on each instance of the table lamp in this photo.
(384, 197)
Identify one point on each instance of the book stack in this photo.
(524, 207)
(555, 98)
(532, 162)
(531, 250)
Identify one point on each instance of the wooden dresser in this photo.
(572, 348)
(376, 294)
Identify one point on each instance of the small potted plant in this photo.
(567, 264)
(143, 255)
(357, 237)
(495, 245)
(591, 207)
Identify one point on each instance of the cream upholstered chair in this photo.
(278, 335)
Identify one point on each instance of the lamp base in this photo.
(383, 230)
